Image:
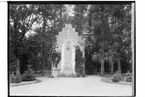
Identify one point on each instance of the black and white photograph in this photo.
(73, 48)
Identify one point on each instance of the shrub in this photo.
(28, 75)
(61, 75)
(15, 78)
(95, 71)
(18, 79)
(12, 78)
(80, 62)
(116, 77)
(128, 77)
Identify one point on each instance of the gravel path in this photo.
(69, 86)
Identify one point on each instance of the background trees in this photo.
(110, 38)
(105, 28)
(21, 19)
(32, 30)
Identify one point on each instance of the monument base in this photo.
(65, 73)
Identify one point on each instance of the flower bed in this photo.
(24, 83)
(109, 80)
(117, 78)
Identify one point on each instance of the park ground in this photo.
(71, 86)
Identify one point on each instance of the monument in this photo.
(67, 40)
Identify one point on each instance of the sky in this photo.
(69, 10)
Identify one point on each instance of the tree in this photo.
(107, 23)
(80, 19)
(120, 26)
(52, 22)
(99, 14)
(21, 19)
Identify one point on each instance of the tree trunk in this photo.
(18, 67)
(43, 59)
(44, 28)
(102, 66)
(112, 67)
(119, 66)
